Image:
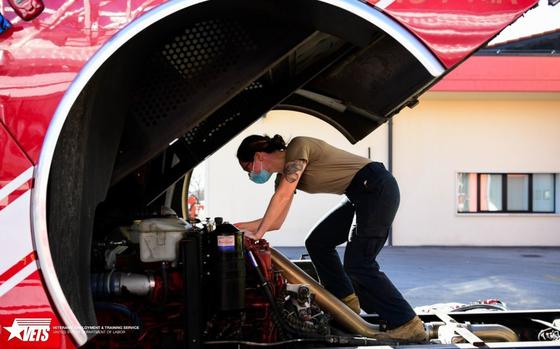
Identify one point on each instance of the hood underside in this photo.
(195, 81)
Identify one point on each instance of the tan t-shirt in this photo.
(328, 170)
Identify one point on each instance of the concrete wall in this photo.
(445, 134)
(451, 133)
(232, 195)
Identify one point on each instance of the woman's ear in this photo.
(259, 156)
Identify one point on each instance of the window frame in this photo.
(554, 193)
(504, 210)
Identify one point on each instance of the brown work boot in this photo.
(352, 302)
(412, 332)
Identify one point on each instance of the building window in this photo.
(506, 193)
(490, 192)
(517, 192)
(544, 186)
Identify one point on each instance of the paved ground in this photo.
(523, 278)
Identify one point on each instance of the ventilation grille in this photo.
(190, 61)
(192, 136)
(216, 127)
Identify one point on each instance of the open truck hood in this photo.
(352, 64)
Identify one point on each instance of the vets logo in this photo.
(29, 329)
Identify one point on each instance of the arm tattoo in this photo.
(292, 170)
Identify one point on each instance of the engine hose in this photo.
(263, 284)
(119, 308)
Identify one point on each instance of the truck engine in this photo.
(165, 282)
(169, 281)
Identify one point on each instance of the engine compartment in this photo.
(167, 283)
(172, 281)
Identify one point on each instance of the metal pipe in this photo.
(486, 332)
(339, 311)
(493, 333)
(118, 283)
(432, 328)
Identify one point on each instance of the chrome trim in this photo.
(42, 170)
(475, 334)
(493, 333)
(393, 28)
(151, 283)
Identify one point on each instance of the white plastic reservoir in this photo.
(158, 238)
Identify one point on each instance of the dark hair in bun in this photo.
(255, 143)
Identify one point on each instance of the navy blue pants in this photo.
(373, 196)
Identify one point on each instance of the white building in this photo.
(477, 161)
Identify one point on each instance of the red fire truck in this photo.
(106, 105)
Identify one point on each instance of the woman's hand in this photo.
(251, 235)
(249, 229)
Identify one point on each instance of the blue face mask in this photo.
(260, 177)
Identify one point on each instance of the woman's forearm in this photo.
(254, 225)
(280, 202)
(282, 217)
(251, 225)
(275, 214)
